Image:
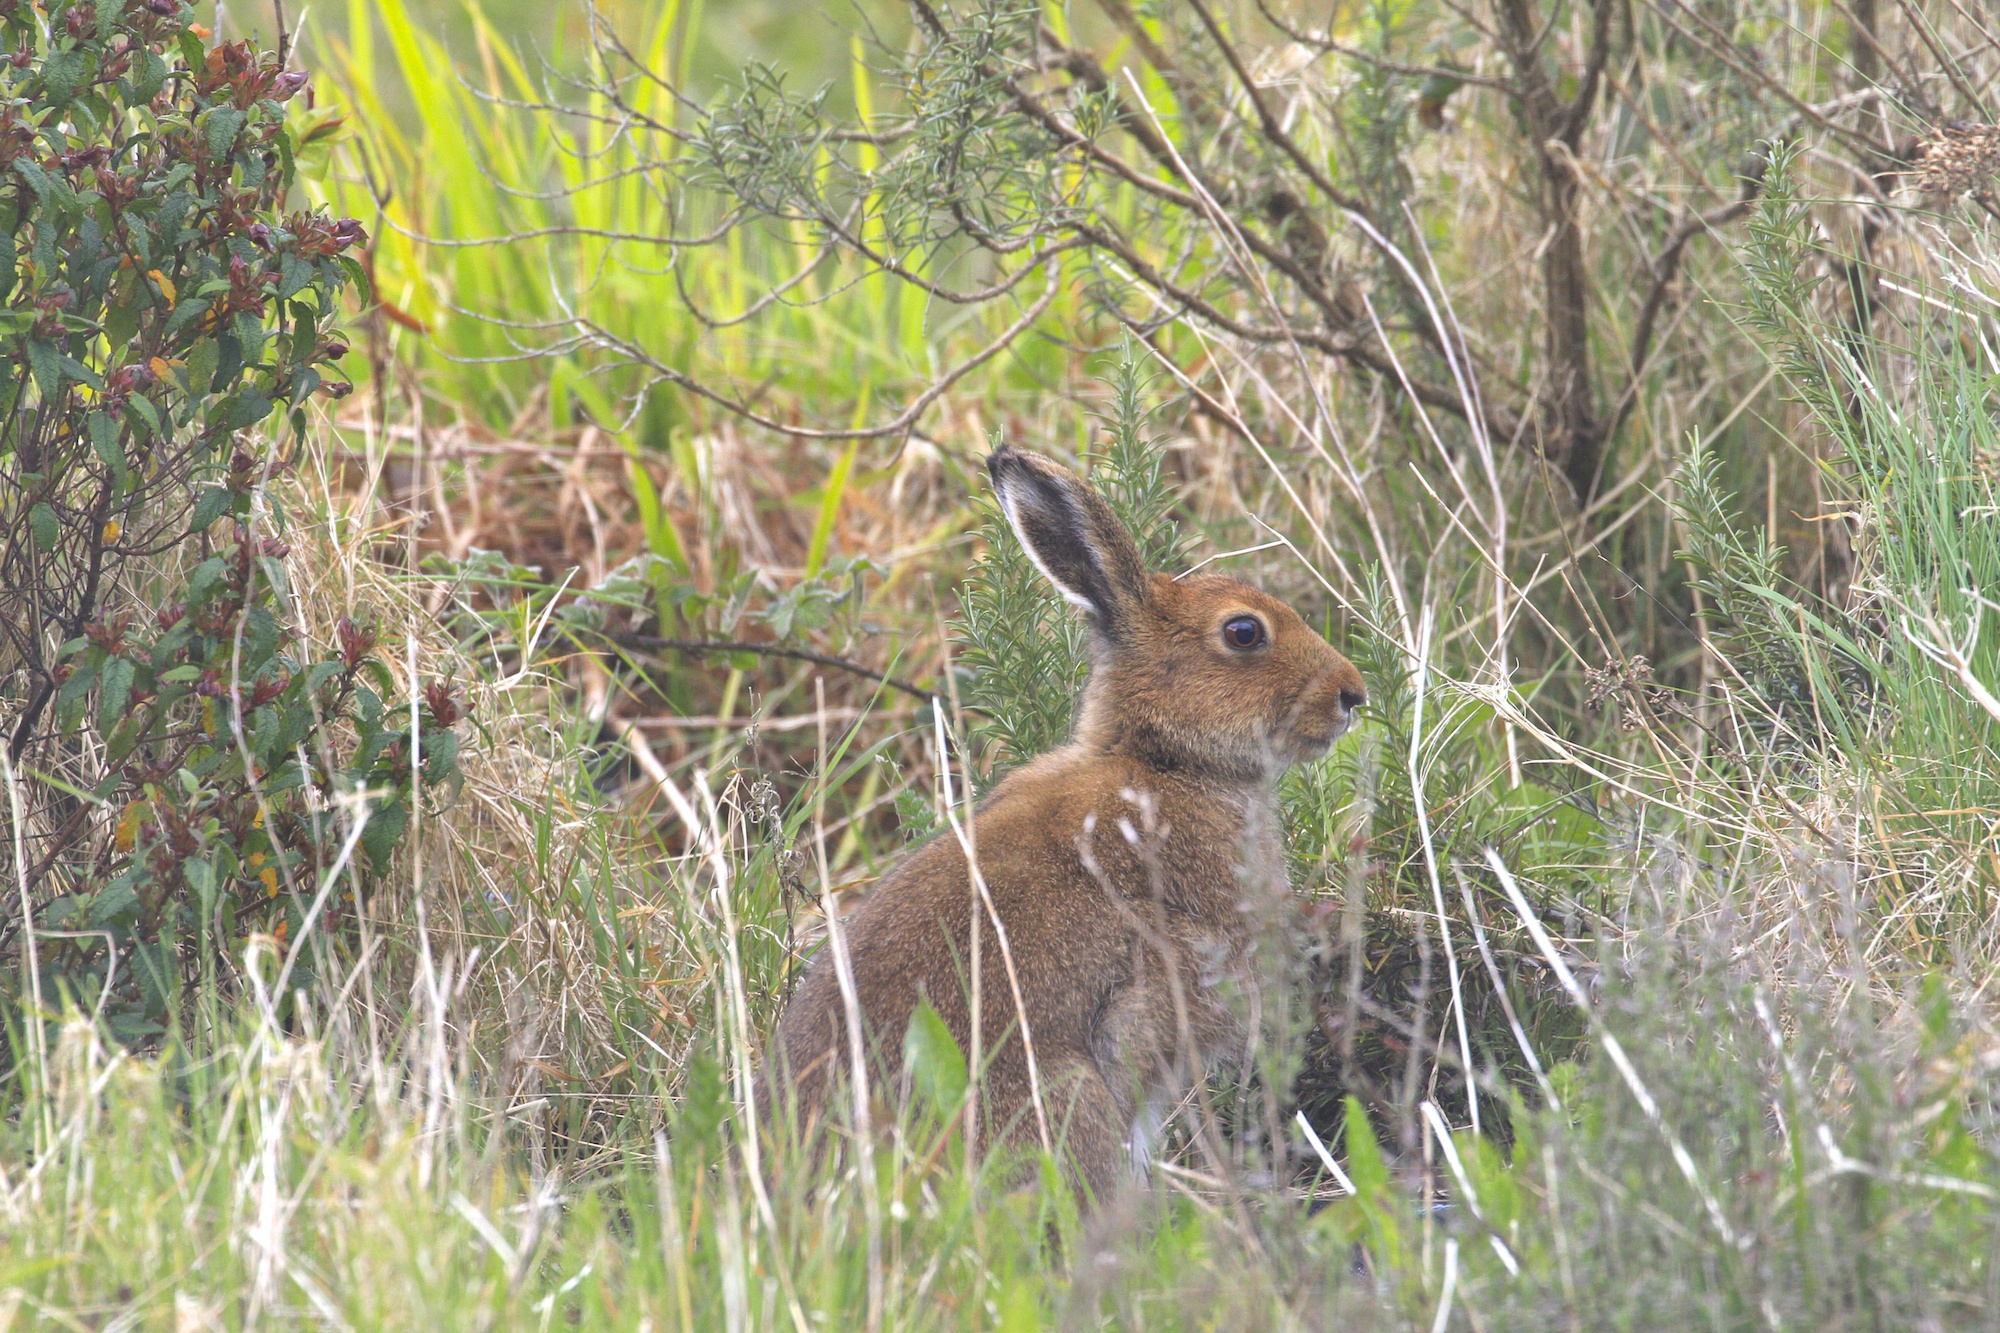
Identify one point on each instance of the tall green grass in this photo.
(522, 219)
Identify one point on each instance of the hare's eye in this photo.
(1243, 632)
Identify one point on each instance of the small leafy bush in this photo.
(191, 765)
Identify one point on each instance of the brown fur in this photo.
(1124, 865)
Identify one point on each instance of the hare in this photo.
(1123, 865)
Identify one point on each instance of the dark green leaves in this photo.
(294, 274)
(45, 362)
(384, 830)
(185, 314)
(149, 74)
(104, 440)
(144, 241)
(213, 504)
(42, 522)
(117, 681)
(61, 73)
(239, 410)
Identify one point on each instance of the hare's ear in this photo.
(1071, 535)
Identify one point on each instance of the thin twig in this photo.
(654, 643)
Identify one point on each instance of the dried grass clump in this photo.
(502, 878)
(1960, 160)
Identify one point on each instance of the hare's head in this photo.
(1201, 673)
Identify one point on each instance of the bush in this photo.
(181, 751)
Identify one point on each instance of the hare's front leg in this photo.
(1088, 1121)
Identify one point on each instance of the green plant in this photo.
(1893, 680)
(252, 769)
(180, 751)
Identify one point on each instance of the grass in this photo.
(1715, 927)
(354, 1175)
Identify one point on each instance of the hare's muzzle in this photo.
(1329, 712)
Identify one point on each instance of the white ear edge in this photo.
(1009, 504)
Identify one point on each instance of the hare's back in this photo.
(1066, 846)
(1080, 855)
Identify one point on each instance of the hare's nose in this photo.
(1353, 699)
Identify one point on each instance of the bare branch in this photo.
(1665, 267)
(653, 643)
(595, 335)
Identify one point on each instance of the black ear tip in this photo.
(1002, 456)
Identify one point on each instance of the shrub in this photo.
(183, 756)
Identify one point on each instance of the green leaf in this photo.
(117, 677)
(121, 322)
(264, 734)
(44, 186)
(61, 73)
(115, 904)
(108, 14)
(119, 744)
(143, 408)
(440, 754)
(149, 74)
(293, 274)
(153, 966)
(829, 508)
(130, 1025)
(201, 362)
(384, 831)
(240, 411)
(359, 277)
(229, 358)
(46, 362)
(76, 370)
(222, 126)
(186, 313)
(200, 876)
(933, 1059)
(204, 578)
(42, 520)
(71, 698)
(1364, 1154)
(104, 439)
(53, 915)
(661, 538)
(385, 680)
(260, 638)
(212, 504)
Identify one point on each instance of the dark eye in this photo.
(1243, 632)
